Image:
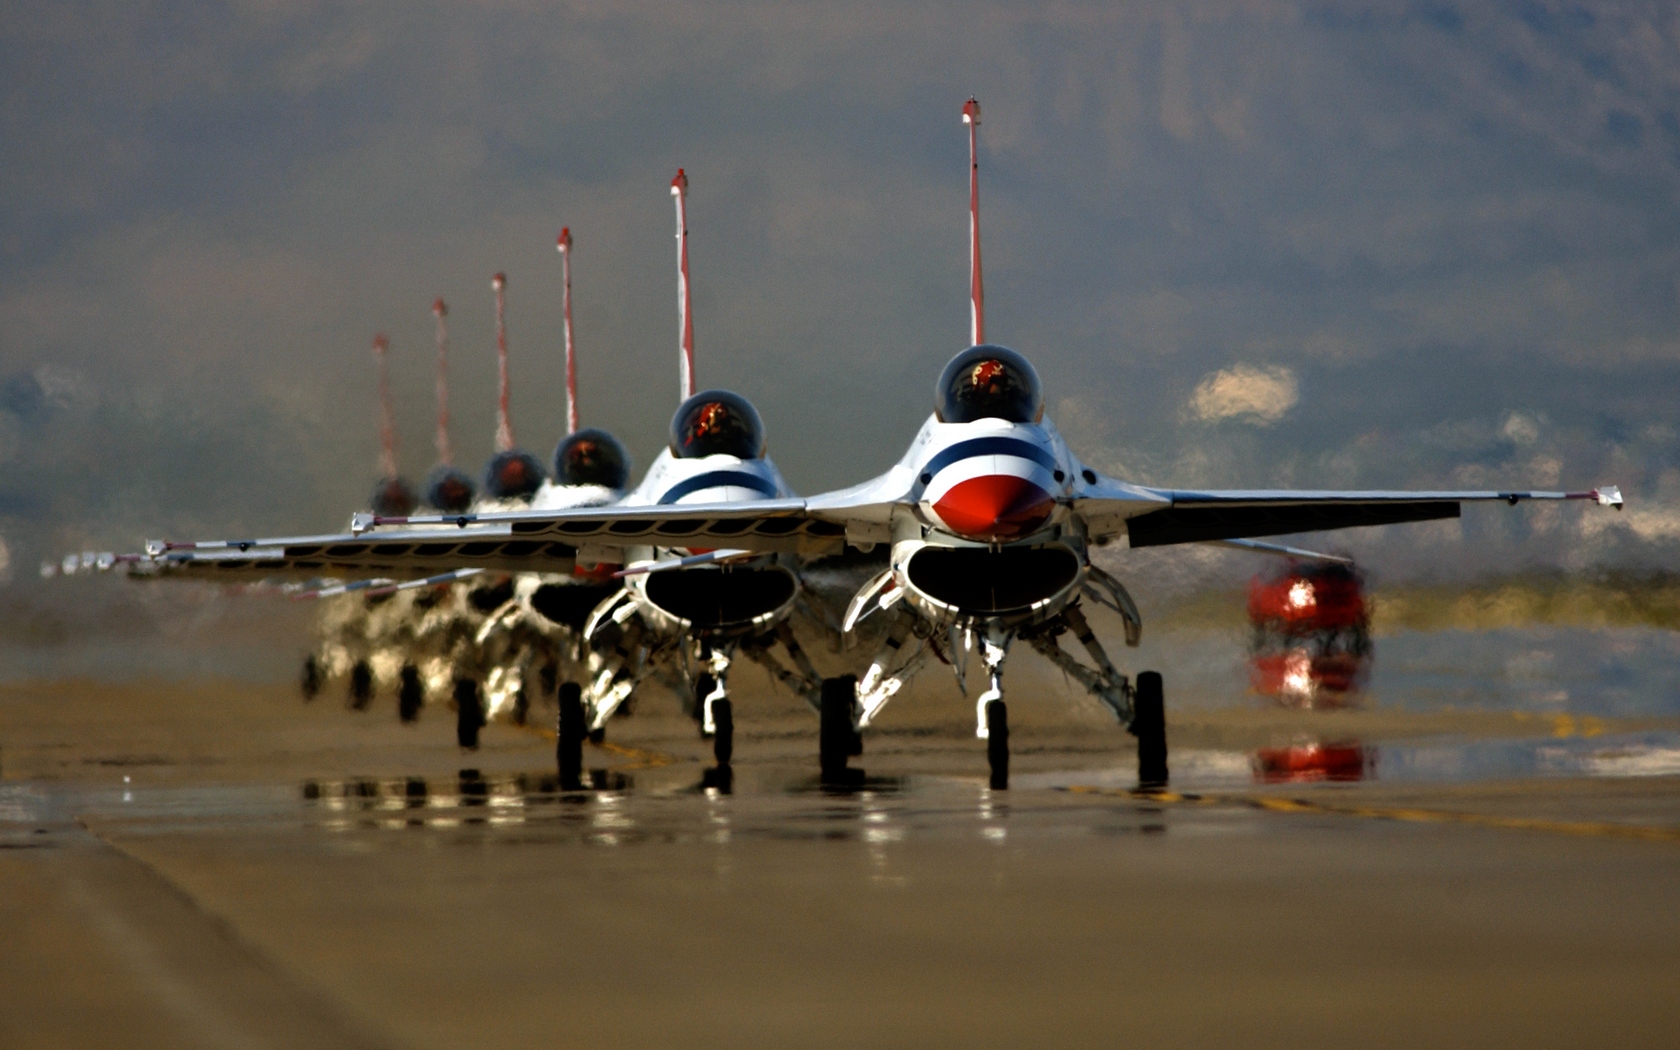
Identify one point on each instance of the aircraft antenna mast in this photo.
(565, 245)
(976, 289)
(441, 312)
(685, 312)
(504, 424)
(387, 425)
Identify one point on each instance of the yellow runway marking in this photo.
(1411, 815)
(642, 758)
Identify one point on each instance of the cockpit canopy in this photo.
(989, 382)
(393, 498)
(449, 489)
(512, 475)
(591, 457)
(717, 423)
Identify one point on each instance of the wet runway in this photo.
(274, 875)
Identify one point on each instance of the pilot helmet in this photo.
(717, 423)
(591, 457)
(989, 382)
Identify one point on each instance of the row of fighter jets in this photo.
(978, 538)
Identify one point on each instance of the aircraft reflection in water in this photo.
(987, 523)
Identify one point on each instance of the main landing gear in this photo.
(1140, 708)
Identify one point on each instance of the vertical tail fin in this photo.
(387, 424)
(976, 289)
(504, 424)
(440, 311)
(685, 322)
(565, 245)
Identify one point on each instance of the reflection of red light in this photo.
(1305, 680)
(1313, 762)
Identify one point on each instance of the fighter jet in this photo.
(989, 519)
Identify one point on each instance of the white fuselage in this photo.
(979, 522)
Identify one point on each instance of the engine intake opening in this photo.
(720, 598)
(570, 604)
(977, 580)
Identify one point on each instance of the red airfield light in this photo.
(1311, 635)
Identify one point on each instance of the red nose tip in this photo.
(994, 507)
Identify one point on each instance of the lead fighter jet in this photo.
(989, 518)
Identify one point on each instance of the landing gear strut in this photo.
(993, 715)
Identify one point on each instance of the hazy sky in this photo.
(1339, 244)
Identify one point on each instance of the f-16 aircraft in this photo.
(683, 614)
(989, 519)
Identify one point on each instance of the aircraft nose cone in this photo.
(994, 507)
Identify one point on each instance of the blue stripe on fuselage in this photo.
(716, 479)
(986, 446)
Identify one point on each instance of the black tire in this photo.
(723, 740)
(312, 678)
(469, 713)
(1149, 725)
(703, 687)
(839, 698)
(570, 730)
(521, 707)
(361, 685)
(410, 693)
(997, 743)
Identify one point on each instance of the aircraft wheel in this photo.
(361, 685)
(839, 695)
(997, 743)
(571, 729)
(410, 693)
(1149, 725)
(723, 741)
(521, 707)
(312, 679)
(469, 712)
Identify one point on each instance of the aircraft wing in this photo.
(399, 554)
(758, 525)
(1192, 516)
(510, 541)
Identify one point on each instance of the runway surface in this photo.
(218, 865)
